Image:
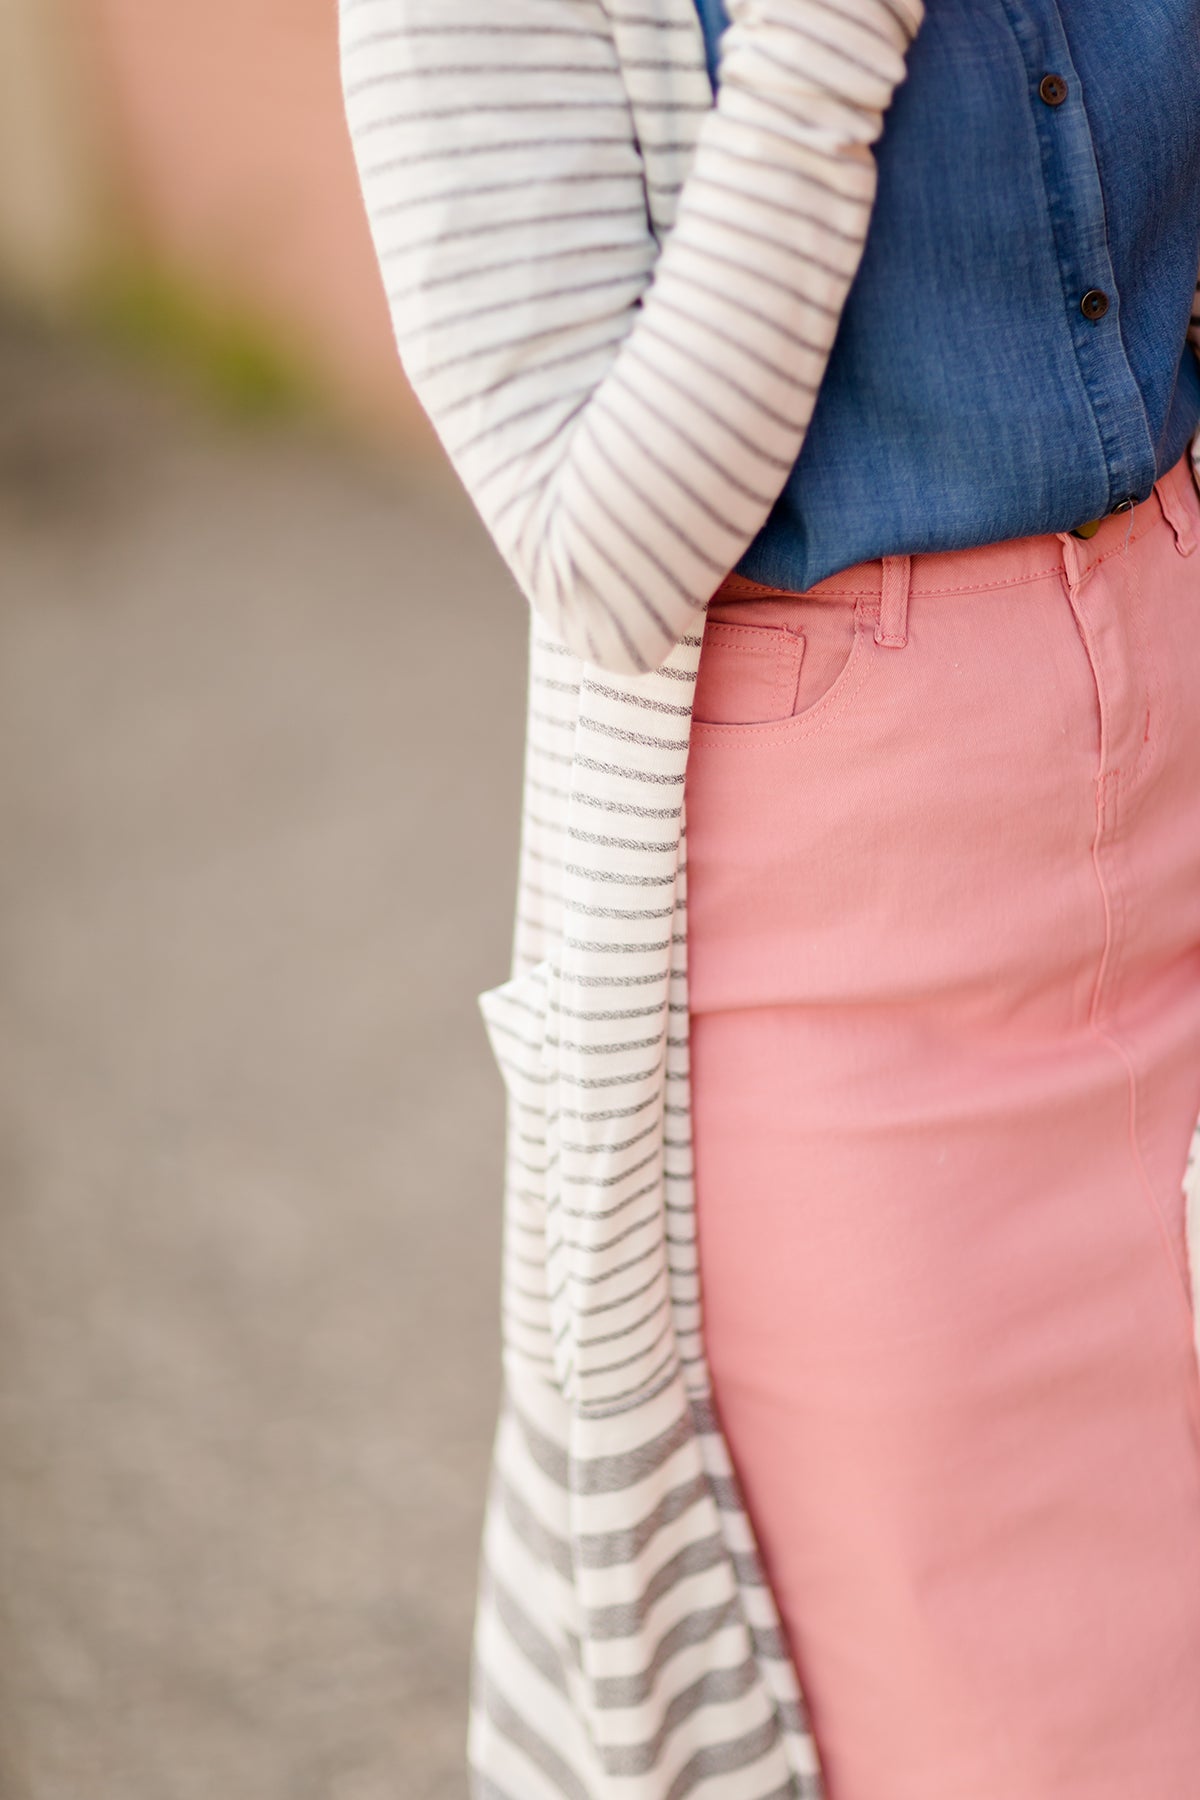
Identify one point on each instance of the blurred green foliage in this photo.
(232, 359)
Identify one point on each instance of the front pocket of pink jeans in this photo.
(748, 674)
(786, 681)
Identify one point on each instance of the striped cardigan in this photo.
(616, 300)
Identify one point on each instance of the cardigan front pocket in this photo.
(515, 1015)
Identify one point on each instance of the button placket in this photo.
(1053, 90)
(1090, 298)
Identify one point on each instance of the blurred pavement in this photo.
(250, 1130)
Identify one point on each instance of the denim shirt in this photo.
(1012, 355)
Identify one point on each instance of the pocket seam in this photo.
(780, 643)
(798, 725)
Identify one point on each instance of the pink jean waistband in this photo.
(1011, 561)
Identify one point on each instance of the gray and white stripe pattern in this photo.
(616, 301)
(623, 418)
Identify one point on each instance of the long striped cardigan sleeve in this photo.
(615, 301)
(623, 418)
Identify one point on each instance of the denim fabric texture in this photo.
(969, 397)
(714, 21)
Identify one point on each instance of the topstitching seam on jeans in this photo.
(1147, 752)
(785, 647)
(1106, 781)
(771, 639)
(916, 590)
(798, 725)
(1112, 892)
(1178, 1278)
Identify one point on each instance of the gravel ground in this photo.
(245, 1406)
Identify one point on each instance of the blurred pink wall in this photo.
(233, 159)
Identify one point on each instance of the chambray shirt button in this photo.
(1094, 304)
(1053, 89)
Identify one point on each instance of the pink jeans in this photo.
(943, 846)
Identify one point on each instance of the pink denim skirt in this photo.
(943, 887)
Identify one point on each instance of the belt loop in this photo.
(1075, 559)
(1176, 513)
(892, 627)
